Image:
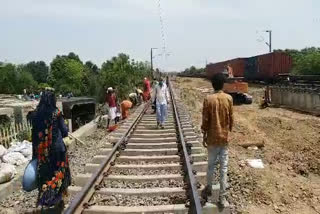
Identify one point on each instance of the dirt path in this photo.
(290, 181)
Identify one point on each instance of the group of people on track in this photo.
(157, 93)
(49, 129)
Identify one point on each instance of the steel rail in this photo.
(195, 205)
(74, 206)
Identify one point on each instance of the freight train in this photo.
(266, 67)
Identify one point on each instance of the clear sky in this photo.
(194, 30)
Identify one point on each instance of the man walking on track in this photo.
(217, 121)
(161, 97)
(111, 99)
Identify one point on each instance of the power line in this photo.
(162, 28)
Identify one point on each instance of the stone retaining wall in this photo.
(303, 99)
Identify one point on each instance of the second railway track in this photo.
(145, 169)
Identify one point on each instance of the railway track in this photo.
(146, 170)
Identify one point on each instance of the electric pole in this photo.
(270, 40)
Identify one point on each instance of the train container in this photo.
(264, 67)
(268, 66)
(237, 65)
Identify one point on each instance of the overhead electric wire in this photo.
(162, 29)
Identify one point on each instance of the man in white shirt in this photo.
(161, 97)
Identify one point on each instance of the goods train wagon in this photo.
(267, 67)
(237, 65)
(264, 67)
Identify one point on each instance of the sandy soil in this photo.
(290, 181)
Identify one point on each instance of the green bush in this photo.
(24, 135)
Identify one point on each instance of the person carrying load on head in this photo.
(217, 122)
(125, 106)
(146, 89)
(161, 97)
(111, 99)
(53, 173)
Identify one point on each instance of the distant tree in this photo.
(305, 61)
(25, 80)
(193, 71)
(308, 64)
(8, 78)
(124, 74)
(90, 79)
(74, 56)
(39, 71)
(91, 67)
(66, 74)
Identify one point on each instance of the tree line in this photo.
(67, 73)
(193, 72)
(305, 61)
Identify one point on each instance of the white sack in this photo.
(255, 163)
(7, 172)
(14, 158)
(3, 151)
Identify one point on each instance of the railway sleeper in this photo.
(82, 179)
(143, 145)
(170, 151)
(152, 140)
(150, 192)
(198, 166)
(149, 123)
(154, 127)
(162, 135)
(155, 131)
(98, 159)
(174, 208)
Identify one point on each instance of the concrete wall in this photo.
(303, 99)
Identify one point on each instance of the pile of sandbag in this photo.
(7, 172)
(24, 148)
(18, 154)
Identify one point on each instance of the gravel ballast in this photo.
(120, 200)
(142, 185)
(114, 171)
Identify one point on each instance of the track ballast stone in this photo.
(144, 171)
(142, 185)
(130, 201)
(137, 162)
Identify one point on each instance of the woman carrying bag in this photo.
(52, 172)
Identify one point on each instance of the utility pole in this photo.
(270, 40)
